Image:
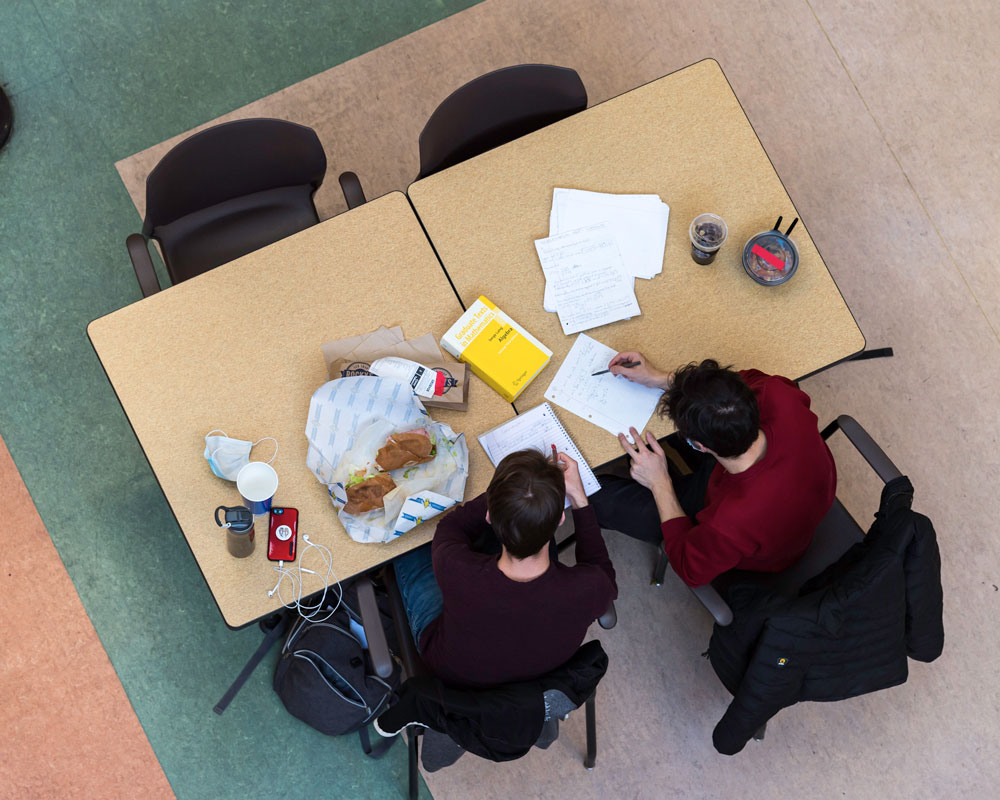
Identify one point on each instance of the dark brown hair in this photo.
(714, 406)
(525, 500)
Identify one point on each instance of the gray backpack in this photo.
(325, 678)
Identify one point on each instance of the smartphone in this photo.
(282, 534)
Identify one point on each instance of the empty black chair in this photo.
(227, 191)
(497, 108)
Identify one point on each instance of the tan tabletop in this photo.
(238, 348)
(686, 138)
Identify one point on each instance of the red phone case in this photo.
(281, 545)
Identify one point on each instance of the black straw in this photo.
(777, 224)
(789, 231)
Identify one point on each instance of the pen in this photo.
(626, 364)
(555, 455)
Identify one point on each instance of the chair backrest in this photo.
(231, 160)
(497, 108)
(836, 534)
(498, 723)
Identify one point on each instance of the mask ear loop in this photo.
(266, 439)
(216, 430)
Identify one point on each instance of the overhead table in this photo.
(238, 348)
(686, 138)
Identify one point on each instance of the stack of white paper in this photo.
(639, 222)
(597, 245)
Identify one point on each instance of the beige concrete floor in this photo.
(882, 121)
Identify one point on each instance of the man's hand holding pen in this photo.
(635, 366)
(574, 483)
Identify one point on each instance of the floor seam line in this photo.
(902, 169)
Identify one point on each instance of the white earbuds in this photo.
(309, 611)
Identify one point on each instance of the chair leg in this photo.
(591, 711)
(414, 759)
(758, 735)
(661, 567)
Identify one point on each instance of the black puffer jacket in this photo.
(498, 724)
(847, 633)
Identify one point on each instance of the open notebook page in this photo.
(537, 429)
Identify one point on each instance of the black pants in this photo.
(626, 506)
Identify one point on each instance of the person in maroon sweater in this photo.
(489, 603)
(761, 476)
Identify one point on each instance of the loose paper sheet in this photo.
(638, 220)
(585, 280)
(608, 401)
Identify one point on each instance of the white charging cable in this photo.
(309, 611)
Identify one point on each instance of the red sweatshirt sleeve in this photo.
(697, 553)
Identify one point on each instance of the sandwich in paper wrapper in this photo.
(368, 444)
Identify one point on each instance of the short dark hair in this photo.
(525, 500)
(714, 406)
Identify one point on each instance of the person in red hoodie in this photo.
(760, 478)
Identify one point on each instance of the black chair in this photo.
(227, 191)
(497, 108)
(836, 533)
(446, 751)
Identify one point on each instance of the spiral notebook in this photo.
(539, 429)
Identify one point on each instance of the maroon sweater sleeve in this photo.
(590, 549)
(452, 543)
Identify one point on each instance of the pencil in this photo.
(626, 364)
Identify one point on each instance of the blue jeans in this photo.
(419, 589)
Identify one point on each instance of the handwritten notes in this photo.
(585, 280)
(608, 401)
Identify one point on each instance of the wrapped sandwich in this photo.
(406, 449)
(367, 492)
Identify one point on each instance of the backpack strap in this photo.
(378, 750)
(272, 636)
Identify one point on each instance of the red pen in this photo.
(555, 455)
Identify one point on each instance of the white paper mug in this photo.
(257, 483)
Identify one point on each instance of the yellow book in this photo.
(497, 349)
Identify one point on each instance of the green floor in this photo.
(93, 81)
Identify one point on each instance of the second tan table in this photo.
(686, 138)
(238, 348)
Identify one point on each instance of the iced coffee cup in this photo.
(708, 233)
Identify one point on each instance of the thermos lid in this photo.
(239, 519)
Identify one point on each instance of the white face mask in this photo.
(228, 456)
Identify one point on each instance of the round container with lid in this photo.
(770, 258)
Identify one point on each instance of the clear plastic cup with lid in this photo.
(708, 233)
